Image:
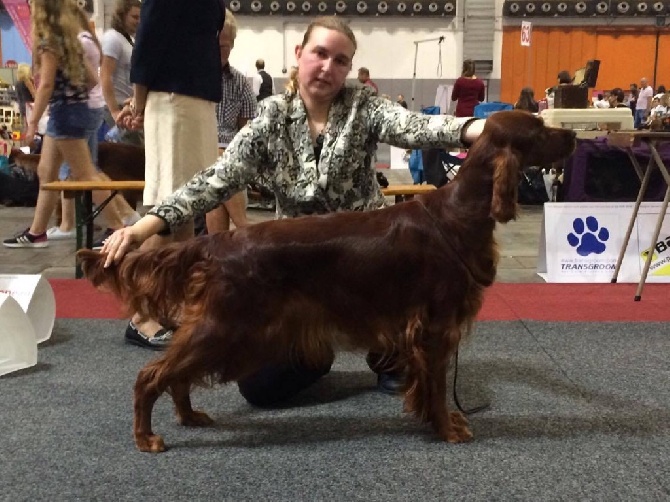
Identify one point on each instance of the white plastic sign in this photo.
(18, 348)
(580, 242)
(35, 296)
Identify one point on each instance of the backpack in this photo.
(532, 190)
(18, 186)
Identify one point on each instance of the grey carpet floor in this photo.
(578, 411)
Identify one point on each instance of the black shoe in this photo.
(97, 245)
(159, 341)
(391, 383)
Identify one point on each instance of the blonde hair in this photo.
(230, 25)
(292, 84)
(55, 26)
(24, 72)
(330, 23)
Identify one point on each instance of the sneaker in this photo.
(97, 245)
(27, 240)
(56, 234)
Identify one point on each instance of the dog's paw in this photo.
(150, 443)
(195, 419)
(459, 434)
(457, 429)
(458, 419)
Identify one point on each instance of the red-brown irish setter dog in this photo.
(408, 278)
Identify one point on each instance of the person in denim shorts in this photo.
(96, 107)
(65, 80)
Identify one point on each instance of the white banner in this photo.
(526, 30)
(580, 242)
(18, 348)
(35, 296)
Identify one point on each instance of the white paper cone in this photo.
(35, 296)
(18, 347)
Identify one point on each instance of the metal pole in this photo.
(416, 56)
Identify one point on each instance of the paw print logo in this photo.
(588, 237)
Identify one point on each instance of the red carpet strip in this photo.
(504, 302)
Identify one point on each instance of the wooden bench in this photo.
(84, 213)
(406, 192)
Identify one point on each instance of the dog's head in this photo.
(519, 139)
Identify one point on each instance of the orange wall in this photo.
(625, 54)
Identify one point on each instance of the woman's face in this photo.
(132, 19)
(324, 63)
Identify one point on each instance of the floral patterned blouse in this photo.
(275, 150)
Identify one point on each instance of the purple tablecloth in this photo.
(597, 172)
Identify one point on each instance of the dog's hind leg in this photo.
(186, 415)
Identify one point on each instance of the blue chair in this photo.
(415, 162)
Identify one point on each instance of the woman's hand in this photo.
(30, 134)
(130, 118)
(119, 243)
(124, 118)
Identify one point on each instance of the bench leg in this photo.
(83, 204)
(401, 198)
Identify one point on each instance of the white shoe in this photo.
(56, 234)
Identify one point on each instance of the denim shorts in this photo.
(95, 119)
(69, 121)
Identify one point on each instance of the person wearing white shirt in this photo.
(643, 104)
(601, 102)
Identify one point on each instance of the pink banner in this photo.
(19, 11)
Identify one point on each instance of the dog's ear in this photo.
(506, 167)
(92, 264)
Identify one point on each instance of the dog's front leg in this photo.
(147, 392)
(452, 427)
(186, 415)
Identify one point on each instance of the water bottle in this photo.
(113, 135)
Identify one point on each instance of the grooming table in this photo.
(627, 140)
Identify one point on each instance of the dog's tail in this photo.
(158, 284)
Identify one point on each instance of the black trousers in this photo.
(272, 385)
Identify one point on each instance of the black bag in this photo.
(18, 188)
(532, 190)
(382, 180)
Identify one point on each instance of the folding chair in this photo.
(452, 161)
(440, 167)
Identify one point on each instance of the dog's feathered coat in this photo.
(408, 279)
